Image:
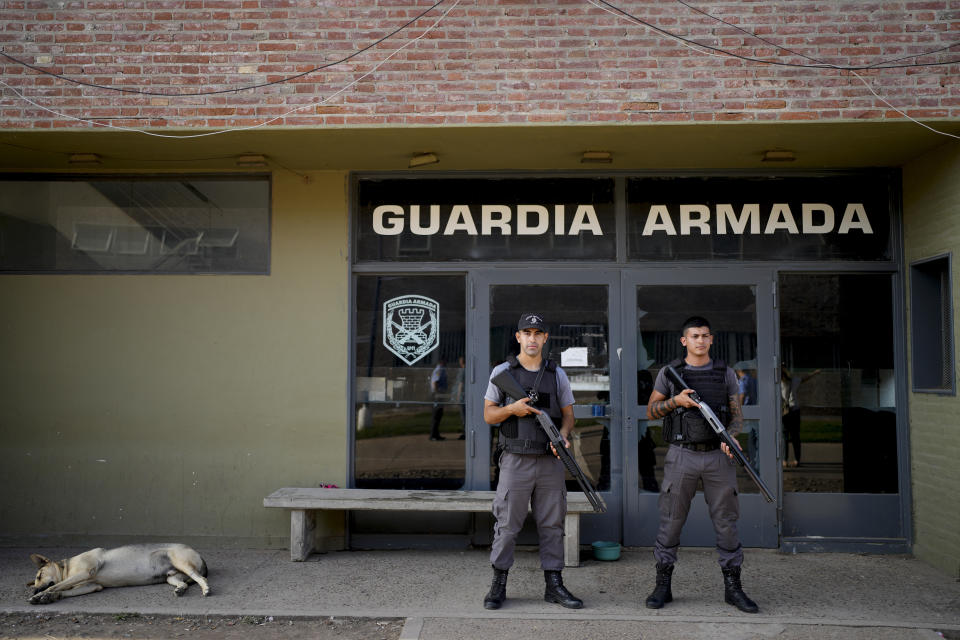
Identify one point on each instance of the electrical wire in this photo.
(817, 60)
(234, 89)
(710, 51)
(247, 128)
(881, 99)
(622, 12)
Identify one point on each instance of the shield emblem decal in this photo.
(411, 326)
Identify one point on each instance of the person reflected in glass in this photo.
(532, 478)
(696, 454)
(458, 397)
(790, 407)
(438, 390)
(746, 371)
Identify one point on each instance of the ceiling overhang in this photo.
(814, 145)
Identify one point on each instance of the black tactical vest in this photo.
(524, 434)
(684, 425)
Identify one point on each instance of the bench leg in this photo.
(571, 540)
(302, 524)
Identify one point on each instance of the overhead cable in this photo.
(231, 90)
(315, 103)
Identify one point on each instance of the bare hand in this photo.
(521, 408)
(684, 400)
(566, 445)
(726, 448)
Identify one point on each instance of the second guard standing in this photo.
(696, 453)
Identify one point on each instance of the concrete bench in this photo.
(302, 503)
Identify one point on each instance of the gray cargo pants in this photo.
(681, 472)
(536, 480)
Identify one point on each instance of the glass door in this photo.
(584, 341)
(739, 305)
(843, 475)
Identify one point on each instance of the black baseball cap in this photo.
(532, 321)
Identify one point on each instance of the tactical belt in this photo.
(518, 445)
(699, 446)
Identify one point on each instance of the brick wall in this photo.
(931, 228)
(488, 61)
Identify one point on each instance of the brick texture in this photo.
(932, 228)
(490, 61)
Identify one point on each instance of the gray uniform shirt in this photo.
(565, 393)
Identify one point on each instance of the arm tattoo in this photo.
(736, 415)
(661, 408)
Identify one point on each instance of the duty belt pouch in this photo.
(696, 428)
(524, 447)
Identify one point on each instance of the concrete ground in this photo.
(439, 593)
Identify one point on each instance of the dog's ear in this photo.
(39, 560)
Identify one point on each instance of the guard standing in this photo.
(531, 475)
(696, 453)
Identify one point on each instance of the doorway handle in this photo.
(473, 443)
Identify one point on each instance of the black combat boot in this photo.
(557, 593)
(661, 593)
(498, 590)
(733, 591)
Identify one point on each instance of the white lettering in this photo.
(391, 226)
(781, 218)
(808, 224)
(419, 229)
(488, 222)
(658, 219)
(585, 219)
(523, 223)
(460, 220)
(558, 217)
(535, 219)
(688, 222)
(855, 210)
(749, 213)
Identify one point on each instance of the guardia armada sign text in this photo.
(573, 220)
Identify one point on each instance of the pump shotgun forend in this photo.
(510, 387)
(718, 427)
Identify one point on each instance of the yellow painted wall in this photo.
(167, 407)
(932, 228)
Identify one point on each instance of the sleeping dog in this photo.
(135, 564)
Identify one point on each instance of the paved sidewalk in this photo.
(440, 594)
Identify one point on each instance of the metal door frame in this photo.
(592, 527)
(759, 521)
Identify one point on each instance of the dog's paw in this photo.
(205, 592)
(45, 597)
(179, 591)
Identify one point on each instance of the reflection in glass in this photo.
(182, 224)
(661, 312)
(651, 451)
(409, 417)
(837, 383)
(579, 343)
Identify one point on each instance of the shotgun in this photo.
(509, 386)
(725, 436)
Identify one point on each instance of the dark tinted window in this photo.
(180, 224)
(472, 219)
(845, 217)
